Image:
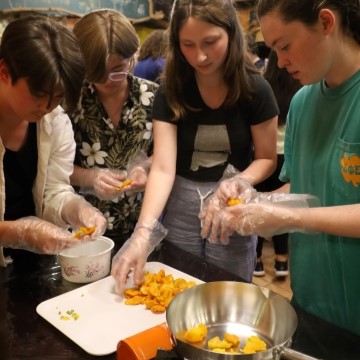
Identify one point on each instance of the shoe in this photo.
(259, 269)
(281, 268)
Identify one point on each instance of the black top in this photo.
(20, 169)
(208, 139)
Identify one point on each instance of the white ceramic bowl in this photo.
(88, 261)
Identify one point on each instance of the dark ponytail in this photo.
(307, 11)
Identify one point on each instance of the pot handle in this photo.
(290, 354)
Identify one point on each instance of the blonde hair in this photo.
(102, 33)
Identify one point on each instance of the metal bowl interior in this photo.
(230, 307)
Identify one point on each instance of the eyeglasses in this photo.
(118, 76)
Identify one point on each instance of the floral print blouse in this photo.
(99, 144)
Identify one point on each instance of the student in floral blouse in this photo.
(112, 123)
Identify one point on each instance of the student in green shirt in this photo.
(318, 42)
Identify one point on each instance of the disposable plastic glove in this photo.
(262, 219)
(233, 188)
(230, 186)
(138, 169)
(77, 212)
(36, 235)
(105, 182)
(264, 215)
(134, 253)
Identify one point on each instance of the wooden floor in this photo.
(278, 285)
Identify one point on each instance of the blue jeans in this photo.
(181, 219)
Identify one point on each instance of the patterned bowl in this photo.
(88, 261)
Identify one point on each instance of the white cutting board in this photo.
(104, 319)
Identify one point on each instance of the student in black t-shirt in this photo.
(213, 109)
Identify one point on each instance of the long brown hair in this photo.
(237, 66)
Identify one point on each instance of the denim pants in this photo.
(181, 219)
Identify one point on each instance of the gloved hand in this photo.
(265, 215)
(134, 253)
(105, 182)
(231, 186)
(138, 169)
(78, 212)
(36, 235)
(262, 219)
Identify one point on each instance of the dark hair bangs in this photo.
(46, 81)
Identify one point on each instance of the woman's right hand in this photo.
(233, 187)
(36, 235)
(133, 254)
(106, 182)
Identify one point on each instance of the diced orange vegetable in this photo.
(156, 291)
(256, 343)
(125, 183)
(231, 338)
(84, 231)
(217, 343)
(233, 201)
(196, 333)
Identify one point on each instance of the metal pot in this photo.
(237, 308)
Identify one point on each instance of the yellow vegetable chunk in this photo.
(231, 338)
(125, 183)
(156, 291)
(84, 231)
(233, 201)
(135, 300)
(217, 343)
(158, 309)
(203, 328)
(196, 333)
(75, 316)
(256, 343)
(248, 349)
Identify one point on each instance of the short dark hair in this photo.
(47, 54)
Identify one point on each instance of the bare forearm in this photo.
(336, 220)
(283, 189)
(157, 191)
(259, 170)
(5, 226)
(78, 177)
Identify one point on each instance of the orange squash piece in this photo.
(84, 231)
(233, 201)
(125, 183)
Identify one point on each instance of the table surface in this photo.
(33, 278)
